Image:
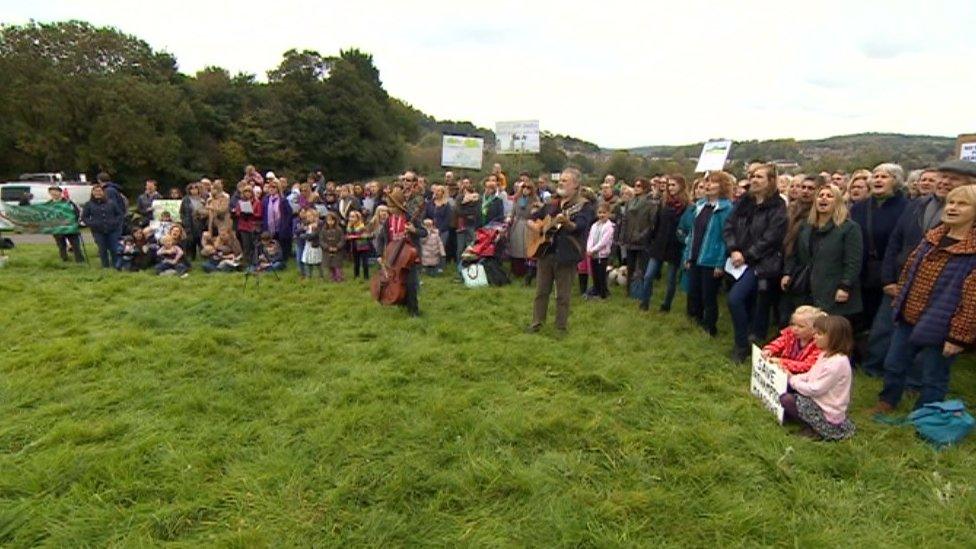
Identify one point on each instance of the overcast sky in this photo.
(620, 74)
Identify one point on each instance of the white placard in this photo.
(967, 151)
(713, 156)
(519, 136)
(458, 151)
(768, 381)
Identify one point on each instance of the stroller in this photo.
(481, 261)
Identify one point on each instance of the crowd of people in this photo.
(874, 267)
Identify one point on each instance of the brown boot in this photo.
(881, 407)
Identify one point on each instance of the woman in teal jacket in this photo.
(705, 253)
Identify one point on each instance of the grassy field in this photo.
(138, 410)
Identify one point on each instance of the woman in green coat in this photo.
(828, 247)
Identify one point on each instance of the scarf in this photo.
(274, 215)
(486, 203)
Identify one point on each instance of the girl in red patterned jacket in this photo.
(795, 350)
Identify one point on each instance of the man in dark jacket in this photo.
(144, 202)
(638, 228)
(573, 216)
(113, 192)
(918, 218)
(104, 218)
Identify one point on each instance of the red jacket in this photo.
(794, 359)
(249, 222)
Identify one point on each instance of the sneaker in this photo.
(533, 328)
(185, 275)
(665, 309)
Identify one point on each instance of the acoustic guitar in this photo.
(543, 231)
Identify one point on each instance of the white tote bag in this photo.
(474, 275)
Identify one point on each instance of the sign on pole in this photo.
(713, 156)
(515, 137)
(458, 151)
(767, 383)
(171, 206)
(967, 151)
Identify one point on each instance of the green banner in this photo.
(46, 218)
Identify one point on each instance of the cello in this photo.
(389, 285)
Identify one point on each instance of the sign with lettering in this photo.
(768, 382)
(518, 136)
(713, 156)
(458, 151)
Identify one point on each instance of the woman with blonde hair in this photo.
(824, 266)
(935, 307)
(754, 234)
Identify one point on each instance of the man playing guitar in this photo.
(570, 218)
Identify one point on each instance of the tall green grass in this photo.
(139, 410)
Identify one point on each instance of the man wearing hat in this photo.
(919, 217)
(397, 227)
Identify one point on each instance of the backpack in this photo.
(942, 423)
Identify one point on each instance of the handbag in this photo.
(800, 281)
(475, 276)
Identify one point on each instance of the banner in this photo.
(967, 151)
(458, 151)
(713, 156)
(46, 218)
(767, 383)
(519, 136)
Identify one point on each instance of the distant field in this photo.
(138, 410)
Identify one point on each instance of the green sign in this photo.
(46, 218)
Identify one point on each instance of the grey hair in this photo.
(576, 175)
(895, 171)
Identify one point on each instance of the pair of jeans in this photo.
(703, 288)
(360, 260)
(749, 305)
(879, 341)
(901, 355)
(598, 266)
(465, 237)
(654, 267)
(108, 247)
(636, 260)
(179, 267)
(303, 269)
(62, 240)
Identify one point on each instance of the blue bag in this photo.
(942, 423)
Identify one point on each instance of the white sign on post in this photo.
(713, 156)
(967, 151)
(768, 382)
(519, 136)
(458, 151)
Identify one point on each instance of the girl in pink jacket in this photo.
(824, 393)
(598, 246)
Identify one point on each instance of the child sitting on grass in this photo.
(221, 256)
(170, 258)
(432, 252)
(795, 349)
(269, 255)
(824, 393)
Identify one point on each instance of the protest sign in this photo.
(45, 218)
(967, 151)
(519, 136)
(458, 151)
(171, 206)
(714, 155)
(768, 382)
